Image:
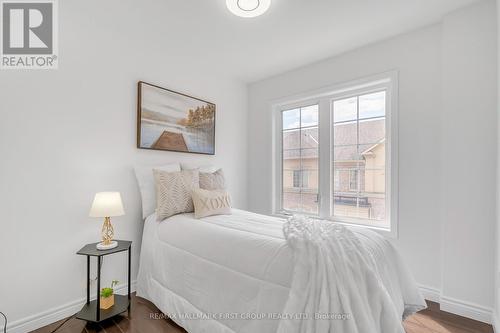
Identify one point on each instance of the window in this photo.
(336, 180)
(300, 179)
(353, 180)
(300, 151)
(359, 146)
(343, 137)
(296, 178)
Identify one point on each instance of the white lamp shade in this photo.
(107, 204)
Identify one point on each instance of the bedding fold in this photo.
(340, 284)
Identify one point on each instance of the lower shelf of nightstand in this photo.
(89, 311)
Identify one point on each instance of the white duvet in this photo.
(233, 273)
(346, 280)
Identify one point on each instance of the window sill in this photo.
(387, 233)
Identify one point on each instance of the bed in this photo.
(232, 273)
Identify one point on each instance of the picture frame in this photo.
(173, 121)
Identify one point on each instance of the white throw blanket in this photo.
(346, 280)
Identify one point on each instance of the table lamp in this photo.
(107, 204)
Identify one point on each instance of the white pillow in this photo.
(212, 180)
(204, 168)
(146, 182)
(208, 203)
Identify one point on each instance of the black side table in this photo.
(91, 310)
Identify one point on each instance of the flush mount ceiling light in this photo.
(248, 8)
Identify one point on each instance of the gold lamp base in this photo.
(107, 234)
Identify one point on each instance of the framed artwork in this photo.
(172, 121)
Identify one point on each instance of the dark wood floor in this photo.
(143, 321)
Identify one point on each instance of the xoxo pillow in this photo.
(208, 203)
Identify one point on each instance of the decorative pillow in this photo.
(173, 192)
(208, 203)
(146, 182)
(212, 181)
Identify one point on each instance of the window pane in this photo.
(346, 153)
(297, 178)
(309, 116)
(353, 180)
(311, 154)
(368, 208)
(336, 180)
(371, 131)
(349, 205)
(309, 138)
(310, 178)
(377, 207)
(291, 201)
(374, 181)
(300, 160)
(374, 157)
(291, 119)
(291, 139)
(291, 157)
(309, 203)
(341, 183)
(358, 159)
(372, 105)
(345, 133)
(345, 110)
(288, 180)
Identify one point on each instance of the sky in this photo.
(308, 115)
(166, 102)
(370, 105)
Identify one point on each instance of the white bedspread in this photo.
(232, 273)
(340, 285)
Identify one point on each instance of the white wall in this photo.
(458, 263)
(468, 123)
(496, 318)
(69, 133)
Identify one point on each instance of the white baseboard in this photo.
(495, 324)
(430, 294)
(466, 309)
(458, 307)
(50, 316)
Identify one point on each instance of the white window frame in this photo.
(278, 155)
(387, 81)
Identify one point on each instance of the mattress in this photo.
(218, 274)
(232, 273)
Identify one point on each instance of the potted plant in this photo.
(108, 296)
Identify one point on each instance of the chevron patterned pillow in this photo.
(173, 192)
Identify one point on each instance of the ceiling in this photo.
(292, 33)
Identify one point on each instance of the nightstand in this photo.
(91, 310)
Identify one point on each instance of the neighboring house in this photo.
(359, 169)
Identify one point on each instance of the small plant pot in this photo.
(107, 302)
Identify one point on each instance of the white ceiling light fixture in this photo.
(248, 8)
